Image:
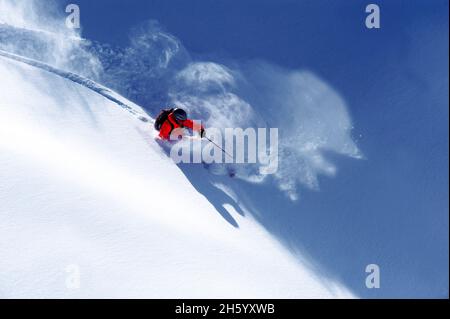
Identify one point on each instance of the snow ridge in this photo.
(92, 85)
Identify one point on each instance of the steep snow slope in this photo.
(85, 190)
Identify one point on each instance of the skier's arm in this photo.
(195, 126)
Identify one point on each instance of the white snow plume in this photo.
(311, 117)
(208, 91)
(144, 69)
(29, 14)
(35, 29)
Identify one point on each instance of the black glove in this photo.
(202, 132)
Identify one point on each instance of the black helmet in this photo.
(180, 114)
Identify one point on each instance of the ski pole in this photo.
(218, 147)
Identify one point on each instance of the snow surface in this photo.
(85, 188)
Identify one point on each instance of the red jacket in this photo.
(171, 123)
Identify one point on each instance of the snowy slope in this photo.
(84, 187)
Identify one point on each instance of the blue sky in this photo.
(390, 208)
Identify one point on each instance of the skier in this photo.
(170, 119)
